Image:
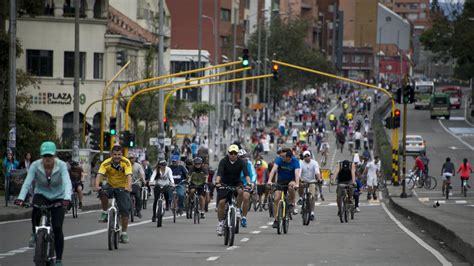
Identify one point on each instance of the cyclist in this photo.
(345, 174)
(419, 167)
(75, 173)
(302, 135)
(447, 171)
(262, 175)
(310, 173)
(197, 177)
(179, 174)
(341, 138)
(372, 171)
(332, 121)
(118, 171)
(244, 208)
(324, 151)
(161, 178)
(137, 174)
(228, 173)
(52, 184)
(288, 175)
(465, 169)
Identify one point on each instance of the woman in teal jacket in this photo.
(52, 184)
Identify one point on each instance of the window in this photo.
(388, 19)
(422, 5)
(413, 6)
(69, 64)
(358, 59)
(224, 41)
(345, 59)
(422, 15)
(39, 62)
(225, 14)
(98, 65)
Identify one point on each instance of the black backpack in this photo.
(345, 173)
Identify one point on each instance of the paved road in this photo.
(376, 236)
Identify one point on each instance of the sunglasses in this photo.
(233, 153)
(307, 156)
(47, 156)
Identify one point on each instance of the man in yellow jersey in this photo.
(349, 116)
(117, 170)
(302, 135)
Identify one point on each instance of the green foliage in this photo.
(30, 7)
(451, 36)
(286, 42)
(201, 109)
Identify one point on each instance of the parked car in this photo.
(414, 145)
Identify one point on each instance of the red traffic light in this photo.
(397, 113)
(165, 119)
(275, 67)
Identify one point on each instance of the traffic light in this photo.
(165, 124)
(411, 94)
(275, 68)
(406, 94)
(95, 139)
(113, 126)
(388, 122)
(88, 128)
(245, 58)
(107, 138)
(121, 57)
(396, 119)
(128, 139)
(398, 98)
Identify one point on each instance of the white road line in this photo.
(264, 226)
(20, 250)
(7, 254)
(454, 135)
(270, 223)
(233, 247)
(461, 201)
(420, 241)
(332, 204)
(255, 232)
(29, 219)
(316, 204)
(212, 258)
(441, 201)
(424, 199)
(244, 239)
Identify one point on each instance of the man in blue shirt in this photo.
(288, 175)
(179, 174)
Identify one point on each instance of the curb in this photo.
(27, 214)
(436, 229)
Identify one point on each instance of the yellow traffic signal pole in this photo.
(103, 109)
(151, 89)
(114, 100)
(394, 131)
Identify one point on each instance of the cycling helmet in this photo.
(242, 152)
(197, 160)
(163, 162)
(174, 157)
(189, 162)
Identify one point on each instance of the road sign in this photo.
(154, 142)
(167, 141)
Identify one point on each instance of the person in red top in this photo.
(419, 167)
(465, 170)
(261, 181)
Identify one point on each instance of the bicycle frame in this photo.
(113, 207)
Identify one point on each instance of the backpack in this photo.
(345, 173)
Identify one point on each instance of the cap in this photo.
(306, 153)
(289, 154)
(48, 148)
(162, 162)
(233, 148)
(174, 157)
(132, 155)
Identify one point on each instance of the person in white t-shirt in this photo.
(372, 170)
(310, 174)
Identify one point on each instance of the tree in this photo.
(199, 110)
(286, 42)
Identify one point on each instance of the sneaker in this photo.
(369, 197)
(219, 229)
(244, 222)
(58, 263)
(311, 217)
(139, 215)
(300, 201)
(153, 219)
(124, 238)
(103, 217)
(275, 224)
(375, 196)
(357, 209)
(239, 213)
(202, 215)
(32, 241)
(80, 205)
(322, 197)
(295, 211)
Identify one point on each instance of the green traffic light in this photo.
(113, 132)
(245, 62)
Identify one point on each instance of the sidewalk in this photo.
(13, 212)
(451, 223)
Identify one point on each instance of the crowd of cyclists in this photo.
(243, 167)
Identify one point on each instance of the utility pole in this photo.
(161, 126)
(404, 141)
(333, 46)
(200, 45)
(12, 78)
(259, 37)
(216, 62)
(234, 57)
(75, 145)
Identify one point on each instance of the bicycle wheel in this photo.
(420, 181)
(346, 213)
(270, 207)
(196, 211)
(447, 190)
(306, 210)
(74, 205)
(352, 212)
(144, 198)
(226, 231)
(280, 217)
(342, 210)
(159, 213)
(174, 208)
(111, 229)
(409, 183)
(41, 247)
(254, 203)
(232, 227)
(430, 183)
(117, 232)
(132, 210)
(237, 225)
(286, 223)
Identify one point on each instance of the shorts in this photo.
(371, 181)
(311, 188)
(122, 198)
(222, 193)
(77, 184)
(199, 189)
(341, 190)
(284, 183)
(447, 176)
(261, 189)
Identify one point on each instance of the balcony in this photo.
(65, 8)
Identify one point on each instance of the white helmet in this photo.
(242, 152)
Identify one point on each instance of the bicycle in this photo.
(114, 227)
(447, 186)
(74, 203)
(346, 206)
(270, 200)
(144, 196)
(426, 181)
(381, 182)
(230, 220)
(160, 206)
(133, 200)
(464, 187)
(306, 204)
(193, 204)
(283, 211)
(44, 246)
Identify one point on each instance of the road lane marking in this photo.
(7, 254)
(264, 226)
(454, 135)
(420, 241)
(233, 247)
(317, 203)
(255, 232)
(270, 223)
(424, 199)
(461, 201)
(20, 250)
(212, 258)
(332, 204)
(244, 239)
(29, 219)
